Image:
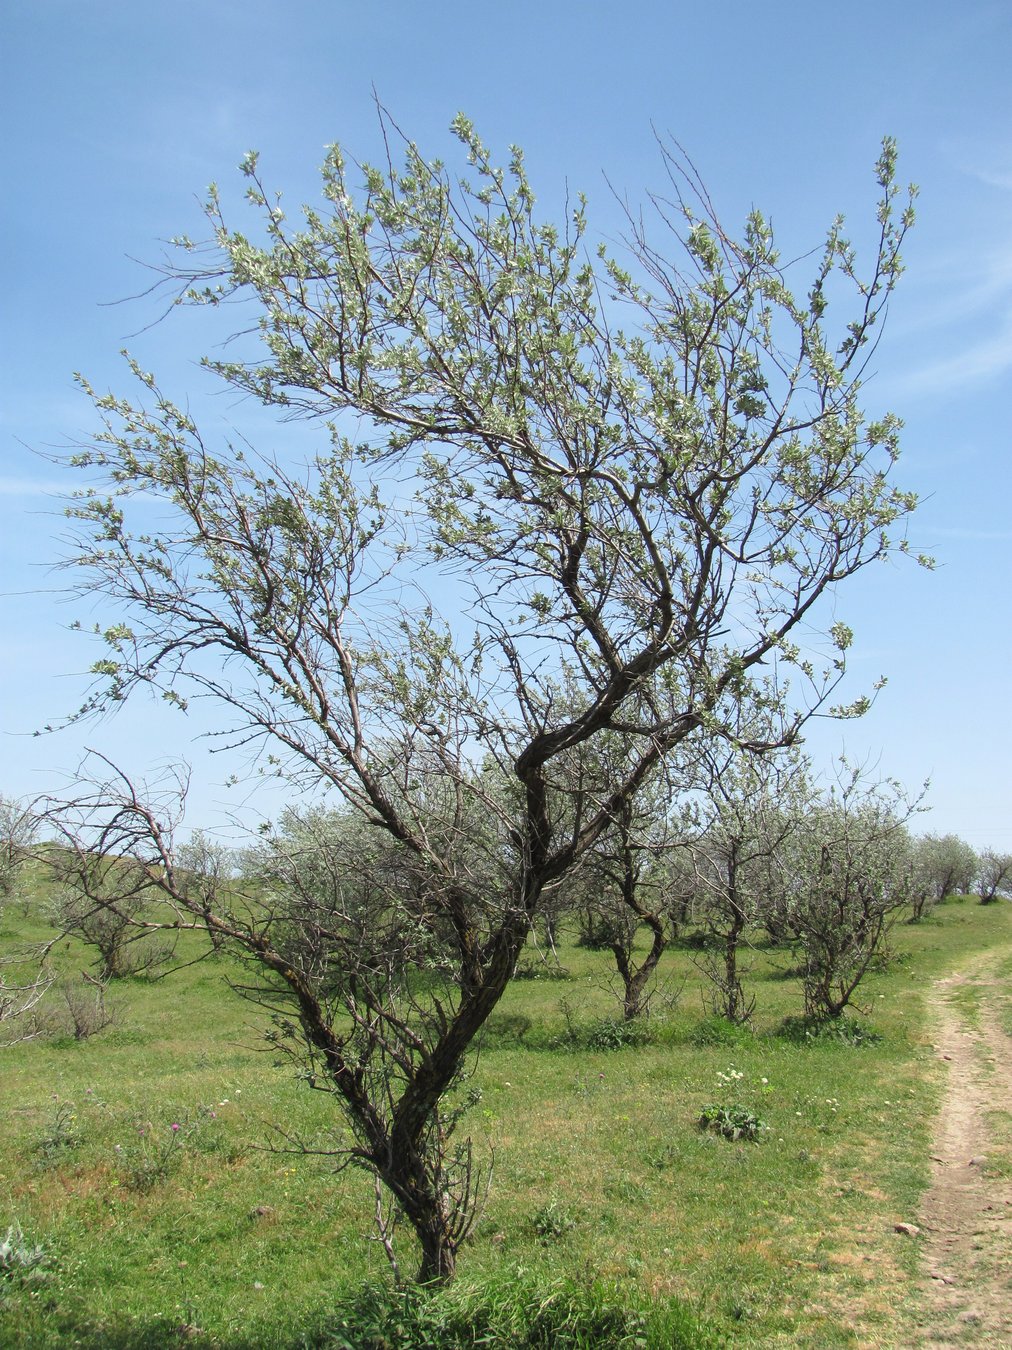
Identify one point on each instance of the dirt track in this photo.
(966, 1216)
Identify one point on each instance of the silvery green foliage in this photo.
(848, 871)
(945, 865)
(994, 875)
(18, 832)
(23, 1261)
(559, 495)
(24, 976)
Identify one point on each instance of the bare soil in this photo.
(966, 1216)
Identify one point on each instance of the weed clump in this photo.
(22, 1262)
(528, 969)
(732, 1122)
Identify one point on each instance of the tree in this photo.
(849, 871)
(24, 981)
(994, 875)
(754, 804)
(103, 901)
(623, 883)
(18, 832)
(24, 974)
(946, 865)
(638, 517)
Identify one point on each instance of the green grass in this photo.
(602, 1178)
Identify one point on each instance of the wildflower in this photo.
(174, 1127)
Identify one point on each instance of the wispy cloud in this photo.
(952, 286)
(987, 163)
(976, 363)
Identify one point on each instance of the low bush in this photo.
(717, 1030)
(520, 1313)
(838, 1030)
(604, 1033)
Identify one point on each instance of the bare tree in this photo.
(637, 516)
(25, 975)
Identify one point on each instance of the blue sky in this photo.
(119, 114)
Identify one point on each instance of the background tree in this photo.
(848, 872)
(104, 901)
(754, 803)
(994, 876)
(18, 832)
(637, 515)
(624, 880)
(946, 864)
(24, 973)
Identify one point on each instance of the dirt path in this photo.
(966, 1217)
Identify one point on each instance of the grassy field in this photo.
(143, 1161)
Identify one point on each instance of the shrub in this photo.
(85, 1011)
(518, 1313)
(605, 1033)
(61, 1133)
(842, 1030)
(717, 1030)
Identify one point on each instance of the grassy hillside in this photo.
(146, 1161)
